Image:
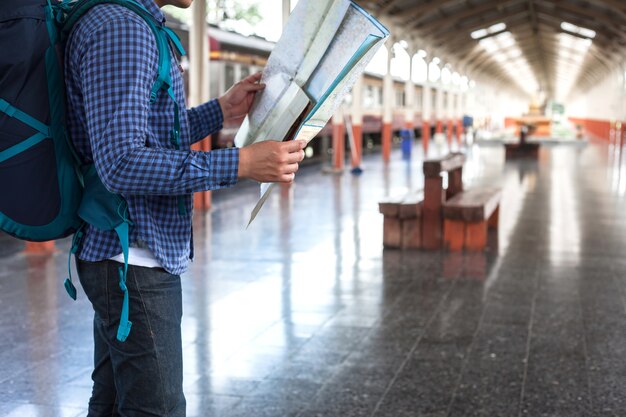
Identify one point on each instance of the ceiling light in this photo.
(497, 27)
(480, 33)
(570, 27)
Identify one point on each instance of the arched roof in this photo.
(537, 26)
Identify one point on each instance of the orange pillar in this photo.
(449, 132)
(439, 126)
(202, 200)
(386, 136)
(339, 143)
(357, 152)
(356, 118)
(425, 136)
(388, 98)
(40, 247)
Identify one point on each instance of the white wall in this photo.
(488, 101)
(605, 101)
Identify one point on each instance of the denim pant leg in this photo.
(143, 375)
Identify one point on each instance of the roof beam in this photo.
(539, 45)
(452, 20)
(386, 8)
(410, 14)
(616, 6)
(600, 21)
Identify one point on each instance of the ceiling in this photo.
(554, 54)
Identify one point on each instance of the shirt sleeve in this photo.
(117, 67)
(205, 119)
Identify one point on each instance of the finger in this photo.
(288, 178)
(291, 168)
(295, 145)
(247, 87)
(294, 157)
(254, 78)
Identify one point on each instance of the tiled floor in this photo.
(305, 315)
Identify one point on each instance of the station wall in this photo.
(599, 108)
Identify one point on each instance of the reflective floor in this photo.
(305, 315)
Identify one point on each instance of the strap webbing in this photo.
(12, 111)
(21, 147)
(173, 37)
(124, 328)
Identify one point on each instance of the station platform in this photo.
(304, 314)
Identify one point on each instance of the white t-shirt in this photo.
(138, 257)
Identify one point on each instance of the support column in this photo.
(450, 116)
(438, 110)
(409, 97)
(427, 101)
(339, 141)
(286, 11)
(387, 104)
(458, 118)
(199, 81)
(356, 146)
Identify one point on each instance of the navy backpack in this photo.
(47, 193)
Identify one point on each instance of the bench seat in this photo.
(467, 217)
(402, 220)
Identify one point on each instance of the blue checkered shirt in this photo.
(111, 63)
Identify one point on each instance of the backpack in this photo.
(37, 160)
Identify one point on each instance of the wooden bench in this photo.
(517, 150)
(402, 220)
(438, 218)
(467, 217)
(435, 195)
(523, 148)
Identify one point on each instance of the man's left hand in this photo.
(237, 100)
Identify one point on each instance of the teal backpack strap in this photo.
(123, 330)
(12, 111)
(43, 131)
(68, 284)
(107, 211)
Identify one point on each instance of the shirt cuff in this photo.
(223, 168)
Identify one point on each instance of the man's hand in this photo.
(237, 100)
(271, 161)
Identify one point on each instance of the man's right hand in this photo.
(271, 161)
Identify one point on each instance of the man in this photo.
(111, 63)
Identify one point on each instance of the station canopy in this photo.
(541, 46)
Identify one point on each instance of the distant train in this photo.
(234, 56)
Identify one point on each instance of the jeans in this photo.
(142, 376)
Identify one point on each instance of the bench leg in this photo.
(392, 232)
(476, 236)
(495, 218)
(453, 234)
(431, 213)
(412, 233)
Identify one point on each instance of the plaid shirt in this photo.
(111, 63)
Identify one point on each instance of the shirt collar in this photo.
(152, 7)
